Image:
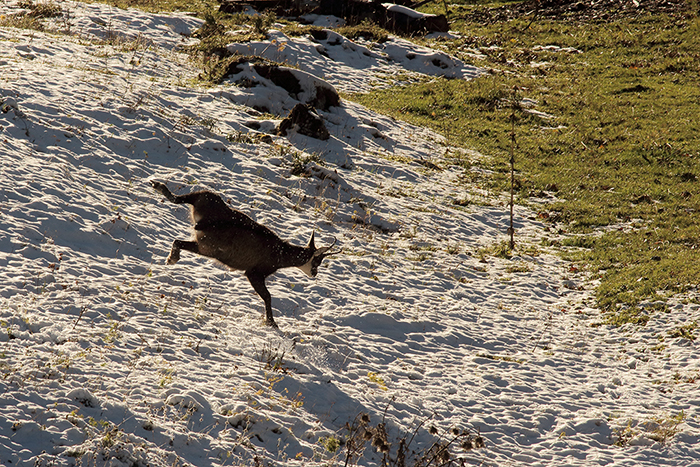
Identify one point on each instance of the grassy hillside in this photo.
(613, 141)
(427, 336)
(605, 124)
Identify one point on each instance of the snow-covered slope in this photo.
(110, 357)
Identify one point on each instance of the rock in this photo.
(306, 121)
(295, 83)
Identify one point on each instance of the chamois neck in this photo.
(293, 256)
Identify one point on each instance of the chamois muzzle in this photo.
(311, 268)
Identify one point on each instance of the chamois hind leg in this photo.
(189, 198)
(257, 280)
(198, 199)
(163, 190)
(178, 245)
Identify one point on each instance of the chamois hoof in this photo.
(271, 323)
(158, 186)
(173, 257)
(163, 190)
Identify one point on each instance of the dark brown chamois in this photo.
(237, 241)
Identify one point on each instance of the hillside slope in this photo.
(109, 356)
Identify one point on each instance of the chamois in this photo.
(237, 241)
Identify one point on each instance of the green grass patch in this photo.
(622, 148)
(366, 30)
(500, 250)
(155, 6)
(31, 18)
(686, 331)
(632, 315)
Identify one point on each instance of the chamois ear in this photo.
(311, 241)
(325, 251)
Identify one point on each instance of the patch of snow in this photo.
(108, 354)
(323, 21)
(337, 60)
(405, 11)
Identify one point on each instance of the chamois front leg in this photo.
(257, 280)
(178, 245)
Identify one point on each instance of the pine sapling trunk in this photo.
(511, 229)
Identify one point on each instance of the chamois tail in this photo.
(163, 190)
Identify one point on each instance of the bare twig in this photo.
(82, 311)
(514, 106)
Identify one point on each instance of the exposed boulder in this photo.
(405, 20)
(301, 86)
(305, 121)
(395, 16)
(293, 81)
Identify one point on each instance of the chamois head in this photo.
(310, 268)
